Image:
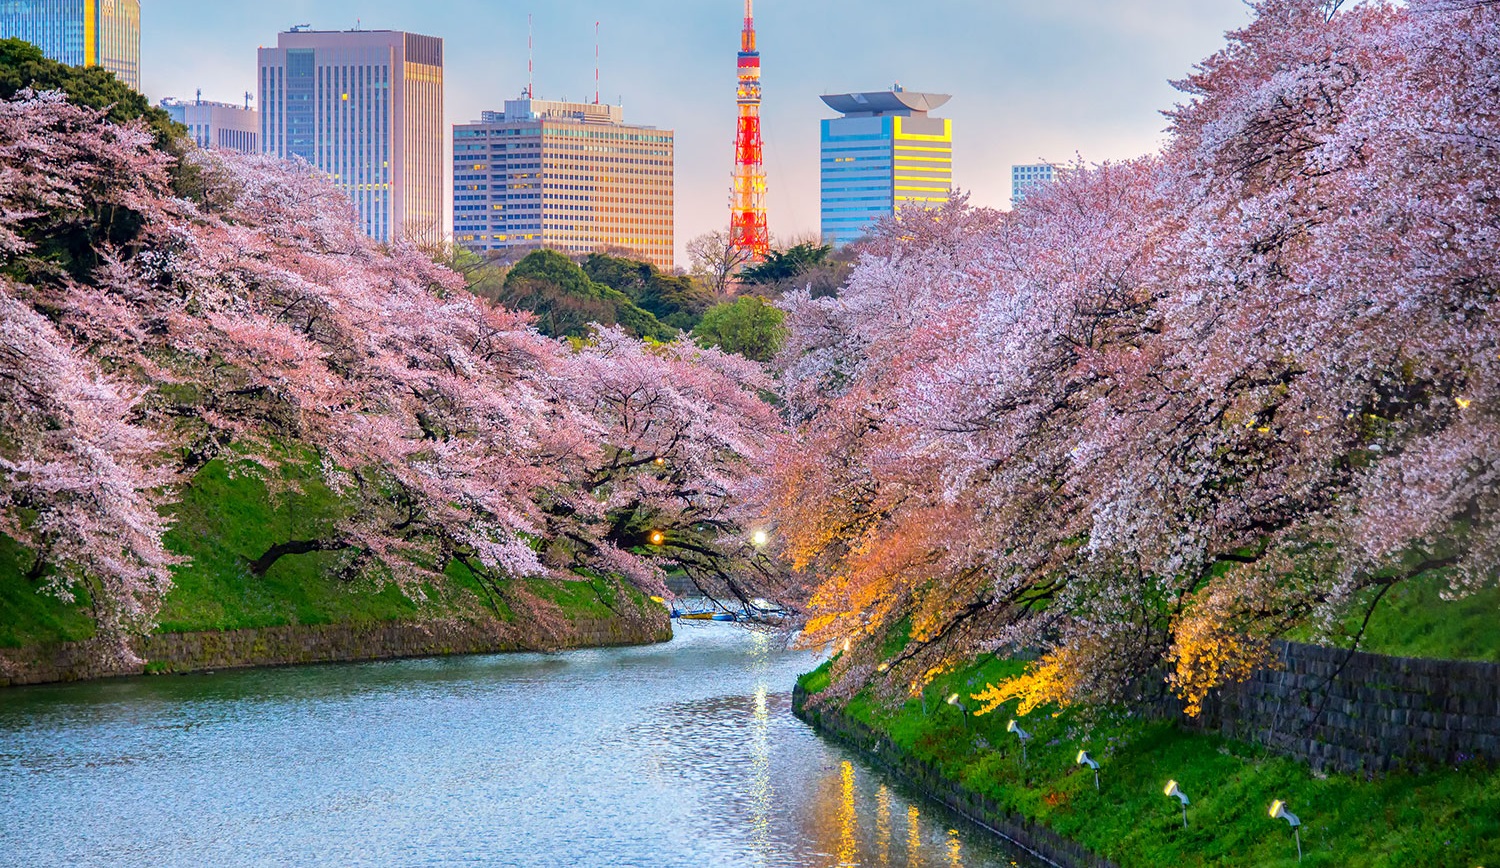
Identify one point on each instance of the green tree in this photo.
(748, 326)
(23, 65)
(784, 265)
(677, 301)
(567, 302)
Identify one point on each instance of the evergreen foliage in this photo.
(567, 303)
(677, 301)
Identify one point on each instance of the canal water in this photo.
(683, 754)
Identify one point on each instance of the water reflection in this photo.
(677, 755)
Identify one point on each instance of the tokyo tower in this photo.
(748, 229)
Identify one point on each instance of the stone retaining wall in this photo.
(927, 778)
(331, 643)
(1363, 712)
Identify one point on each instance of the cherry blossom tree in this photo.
(1169, 408)
(256, 321)
(81, 485)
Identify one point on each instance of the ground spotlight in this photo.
(1172, 790)
(1279, 812)
(1085, 760)
(1021, 734)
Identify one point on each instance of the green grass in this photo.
(1449, 817)
(28, 617)
(224, 521)
(1413, 620)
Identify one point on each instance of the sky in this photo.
(1031, 81)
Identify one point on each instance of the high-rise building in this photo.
(572, 177)
(103, 33)
(366, 108)
(217, 124)
(1023, 178)
(886, 153)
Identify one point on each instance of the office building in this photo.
(1023, 178)
(105, 33)
(571, 177)
(217, 124)
(366, 108)
(886, 153)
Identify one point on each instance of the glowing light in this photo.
(1463, 403)
(657, 537)
(760, 538)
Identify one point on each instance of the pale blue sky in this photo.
(1030, 79)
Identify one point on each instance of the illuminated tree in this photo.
(1169, 408)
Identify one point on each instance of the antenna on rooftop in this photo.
(248, 97)
(530, 59)
(596, 63)
(200, 96)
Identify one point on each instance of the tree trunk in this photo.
(263, 564)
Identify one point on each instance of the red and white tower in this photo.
(748, 229)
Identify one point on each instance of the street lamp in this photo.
(1021, 734)
(1172, 790)
(657, 537)
(1085, 760)
(1279, 812)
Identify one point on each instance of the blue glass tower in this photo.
(884, 154)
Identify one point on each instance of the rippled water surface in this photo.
(679, 754)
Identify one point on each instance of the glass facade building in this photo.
(366, 108)
(105, 33)
(571, 177)
(218, 124)
(1023, 178)
(886, 153)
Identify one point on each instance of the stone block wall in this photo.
(328, 643)
(1363, 712)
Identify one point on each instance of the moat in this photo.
(679, 754)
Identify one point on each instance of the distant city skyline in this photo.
(1085, 77)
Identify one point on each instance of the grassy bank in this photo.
(227, 520)
(1449, 817)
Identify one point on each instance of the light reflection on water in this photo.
(683, 754)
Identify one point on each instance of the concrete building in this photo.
(217, 124)
(366, 107)
(572, 177)
(886, 153)
(104, 33)
(1023, 178)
